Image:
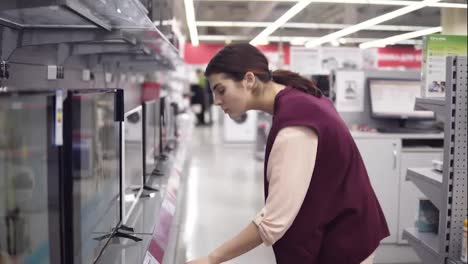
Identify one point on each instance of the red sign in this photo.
(203, 53)
(398, 57)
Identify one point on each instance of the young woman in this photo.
(320, 206)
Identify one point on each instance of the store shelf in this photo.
(426, 245)
(451, 261)
(429, 182)
(437, 105)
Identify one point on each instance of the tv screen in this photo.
(92, 158)
(29, 179)
(133, 174)
(164, 121)
(167, 122)
(152, 133)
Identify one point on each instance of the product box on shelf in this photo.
(428, 217)
(436, 48)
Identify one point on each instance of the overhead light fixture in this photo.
(371, 22)
(254, 24)
(293, 39)
(299, 41)
(335, 43)
(190, 14)
(281, 21)
(366, 2)
(398, 38)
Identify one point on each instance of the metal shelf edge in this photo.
(426, 245)
(429, 182)
(437, 105)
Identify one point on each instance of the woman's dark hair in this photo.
(235, 60)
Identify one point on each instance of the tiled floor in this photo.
(224, 193)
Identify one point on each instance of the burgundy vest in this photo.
(340, 220)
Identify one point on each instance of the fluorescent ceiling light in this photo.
(367, 2)
(190, 13)
(164, 23)
(294, 40)
(281, 21)
(371, 22)
(254, 24)
(396, 39)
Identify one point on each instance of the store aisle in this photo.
(224, 192)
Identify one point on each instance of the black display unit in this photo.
(323, 83)
(92, 172)
(30, 182)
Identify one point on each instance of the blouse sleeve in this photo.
(290, 168)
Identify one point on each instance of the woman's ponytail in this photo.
(294, 80)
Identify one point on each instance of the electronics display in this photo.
(167, 123)
(92, 150)
(323, 83)
(396, 99)
(133, 157)
(151, 110)
(29, 179)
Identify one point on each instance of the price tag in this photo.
(58, 118)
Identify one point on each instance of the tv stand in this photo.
(119, 234)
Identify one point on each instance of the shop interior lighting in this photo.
(398, 38)
(367, 2)
(369, 23)
(191, 22)
(280, 21)
(294, 40)
(254, 24)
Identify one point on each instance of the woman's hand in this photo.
(204, 260)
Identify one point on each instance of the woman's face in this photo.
(230, 95)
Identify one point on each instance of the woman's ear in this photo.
(249, 80)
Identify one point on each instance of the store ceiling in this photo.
(339, 15)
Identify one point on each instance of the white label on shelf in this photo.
(58, 118)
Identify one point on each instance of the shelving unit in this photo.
(124, 32)
(426, 244)
(437, 105)
(446, 190)
(429, 182)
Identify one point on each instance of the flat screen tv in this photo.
(92, 166)
(168, 119)
(29, 179)
(151, 132)
(133, 158)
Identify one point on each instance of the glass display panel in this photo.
(25, 171)
(133, 176)
(95, 171)
(152, 134)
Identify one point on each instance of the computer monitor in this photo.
(395, 99)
